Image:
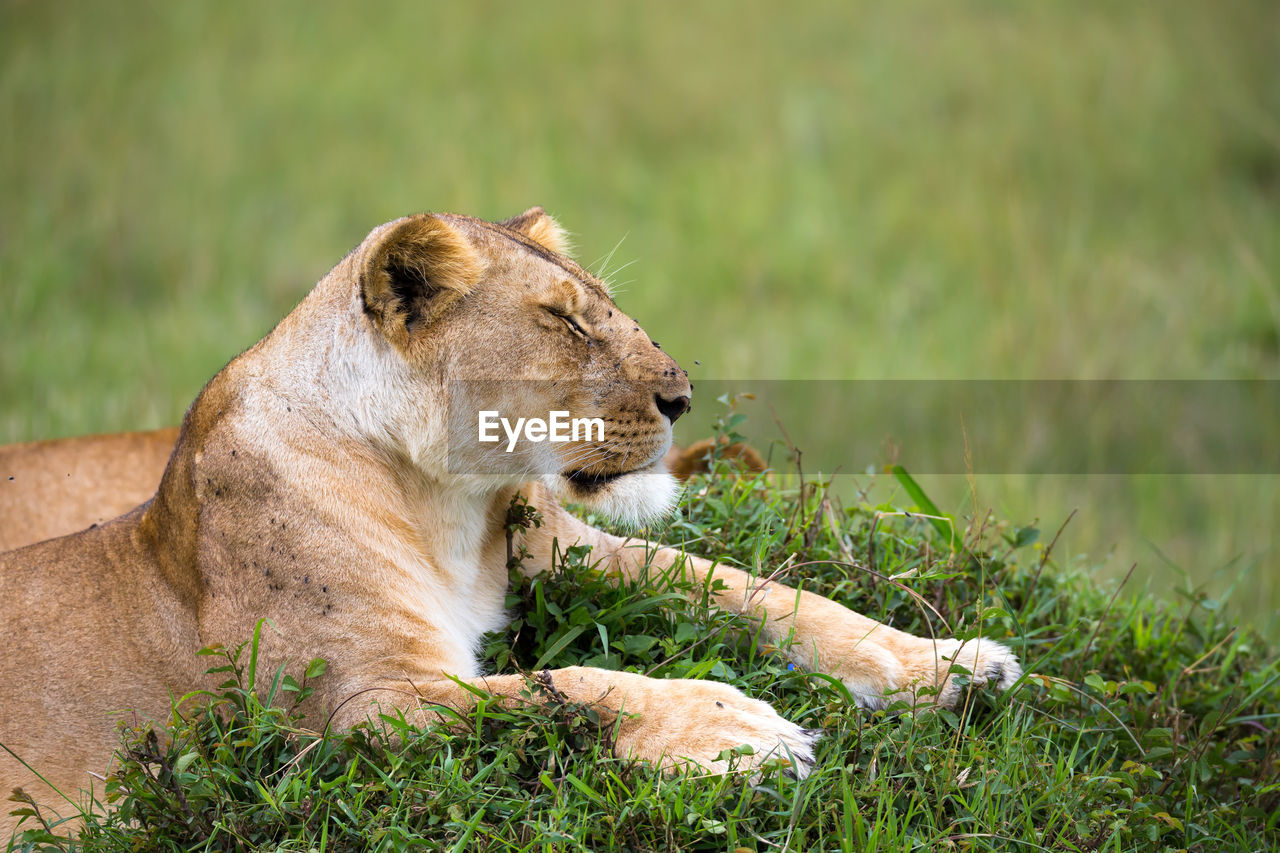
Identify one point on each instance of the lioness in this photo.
(321, 479)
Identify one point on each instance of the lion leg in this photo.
(670, 723)
(877, 663)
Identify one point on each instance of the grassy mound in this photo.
(1143, 725)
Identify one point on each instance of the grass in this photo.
(1142, 726)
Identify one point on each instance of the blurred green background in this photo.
(1066, 189)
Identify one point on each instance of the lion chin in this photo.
(633, 499)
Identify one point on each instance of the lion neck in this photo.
(317, 413)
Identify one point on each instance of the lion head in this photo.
(453, 320)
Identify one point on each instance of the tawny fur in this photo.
(52, 488)
(684, 462)
(318, 482)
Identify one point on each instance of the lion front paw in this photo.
(706, 724)
(927, 676)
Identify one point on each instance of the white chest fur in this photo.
(453, 589)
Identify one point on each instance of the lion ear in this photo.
(538, 225)
(413, 271)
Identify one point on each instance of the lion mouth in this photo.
(589, 482)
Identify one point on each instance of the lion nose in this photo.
(673, 408)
